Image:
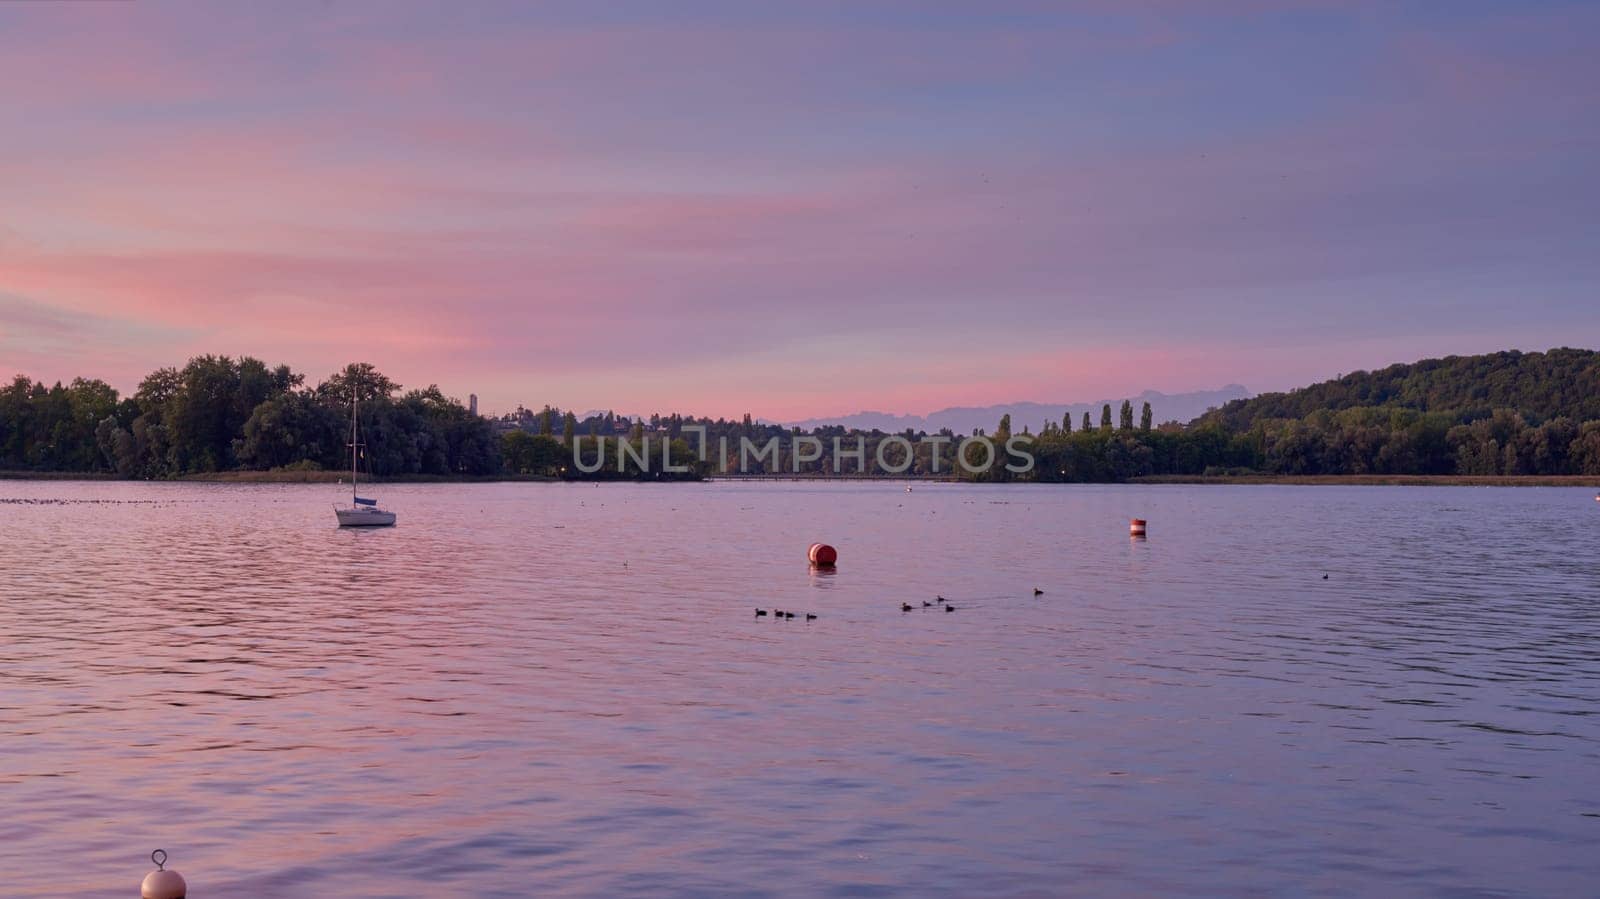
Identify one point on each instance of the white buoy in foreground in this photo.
(161, 883)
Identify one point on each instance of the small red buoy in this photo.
(822, 555)
(1136, 527)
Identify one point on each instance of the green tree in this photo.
(569, 427)
(295, 428)
(215, 396)
(1066, 423)
(525, 453)
(1585, 449)
(1004, 430)
(516, 451)
(117, 446)
(363, 378)
(1105, 417)
(1145, 416)
(1127, 415)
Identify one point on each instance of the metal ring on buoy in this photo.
(161, 883)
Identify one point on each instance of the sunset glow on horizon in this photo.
(795, 211)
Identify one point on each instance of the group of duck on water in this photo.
(904, 607)
(779, 613)
(945, 603)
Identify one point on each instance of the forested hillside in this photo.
(1507, 413)
(1537, 386)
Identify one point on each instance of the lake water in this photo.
(551, 689)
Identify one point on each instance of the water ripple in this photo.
(553, 689)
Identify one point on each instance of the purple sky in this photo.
(796, 209)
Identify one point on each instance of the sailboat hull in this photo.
(364, 518)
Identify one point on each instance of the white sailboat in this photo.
(363, 512)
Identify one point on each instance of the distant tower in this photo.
(472, 403)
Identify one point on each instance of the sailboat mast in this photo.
(354, 442)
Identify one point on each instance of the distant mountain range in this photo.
(1182, 407)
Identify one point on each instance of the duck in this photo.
(925, 603)
(788, 615)
(905, 607)
(811, 616)
(949, 608)
(1037, 592)
(761, 613)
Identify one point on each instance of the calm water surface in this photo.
(542, 689)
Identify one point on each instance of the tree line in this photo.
(1508, 413)
(220, 414)
(1499, 414)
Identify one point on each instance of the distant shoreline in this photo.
(269, 477)
(1381, 480)
(58, 476)
(335, 477)
(803, 476)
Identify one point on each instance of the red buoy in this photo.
(1136, 527)
(822, 555)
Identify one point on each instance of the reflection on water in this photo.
(551, 689)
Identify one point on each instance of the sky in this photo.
(796, 209)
